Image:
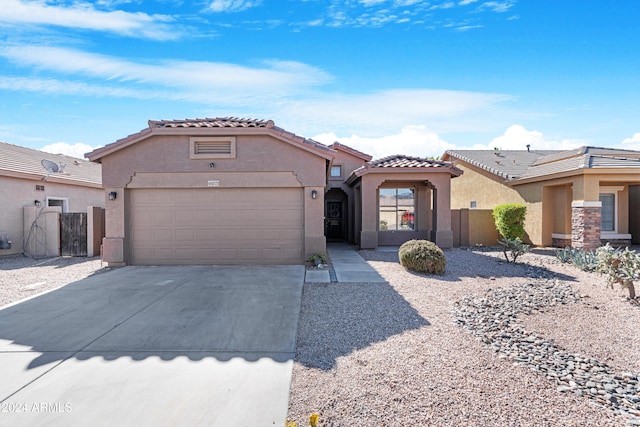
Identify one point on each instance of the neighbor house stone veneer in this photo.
(585, 224)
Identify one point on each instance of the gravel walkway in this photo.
(402, 353)
(22, 277)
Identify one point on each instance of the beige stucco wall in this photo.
(164, 161)
(370, 234)
(348, 164)
(18, 193)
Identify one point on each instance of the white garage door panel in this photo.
(217, 226)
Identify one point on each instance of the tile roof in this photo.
(209, 123)
(402, 161)
(588, 150)
(585, 161)
(27, 162)
(508, 164)
(218, 122)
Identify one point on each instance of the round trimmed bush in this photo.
(422, 256)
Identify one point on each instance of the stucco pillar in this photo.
(113, 242)
(369, 198)
(442, 234)
(314, 240)
(585, 224)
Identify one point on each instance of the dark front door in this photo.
(334, 227)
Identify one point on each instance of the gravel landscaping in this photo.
(22, 277)
(489, 343)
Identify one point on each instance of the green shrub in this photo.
(422, 256)
(515, 247)
(509, 219)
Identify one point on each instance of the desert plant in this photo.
(584, 260)
(515, 247)
(564, 254)
(620, 266)
(509, 220)
(422, 256)
(318, 259)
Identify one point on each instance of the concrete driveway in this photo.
(153, 346)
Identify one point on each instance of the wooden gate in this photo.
(73, 234)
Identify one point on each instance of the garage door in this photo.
(216, 226)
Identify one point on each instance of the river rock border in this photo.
(493, 319)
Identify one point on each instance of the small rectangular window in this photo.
(212, 147)
(336, 171)
(473, 204)
(608, 212)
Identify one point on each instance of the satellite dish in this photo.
(50, 166)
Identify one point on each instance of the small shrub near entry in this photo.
(515, 247)
(509, 219)
(422, 256)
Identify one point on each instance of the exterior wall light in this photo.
(113, 195)
(314, 194)
(37, 202)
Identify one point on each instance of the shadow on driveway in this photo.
(186, 345)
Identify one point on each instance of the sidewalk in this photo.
(347, 266)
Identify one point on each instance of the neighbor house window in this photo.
(336, 171)
(473, 204)
(212, 147)
(608, 212)
(397, 209)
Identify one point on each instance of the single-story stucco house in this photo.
(245, 191)
(581, 198)
(36, 187)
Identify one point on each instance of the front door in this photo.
(334, 229)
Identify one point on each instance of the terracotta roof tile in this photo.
(207, 123)
(338, 146)
(218, 122)
(402, 161)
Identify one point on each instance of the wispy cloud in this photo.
(199, 81)
(232, 5)
(87, 17)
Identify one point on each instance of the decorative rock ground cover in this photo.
(493, 319)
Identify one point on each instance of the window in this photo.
(397, 209)
(62, 202)
(336, 171)
(473, 204)
(608, 212)
(212, 147)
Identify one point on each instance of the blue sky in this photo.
(383, 76)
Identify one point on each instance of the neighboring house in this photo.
(581, 198)
(244, 191)
(35, 188)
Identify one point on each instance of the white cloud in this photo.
(411, 140)
(516, 137)
(86, 16)
(232, 5)
(632, 143)
(74, 150)
(384, 112)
